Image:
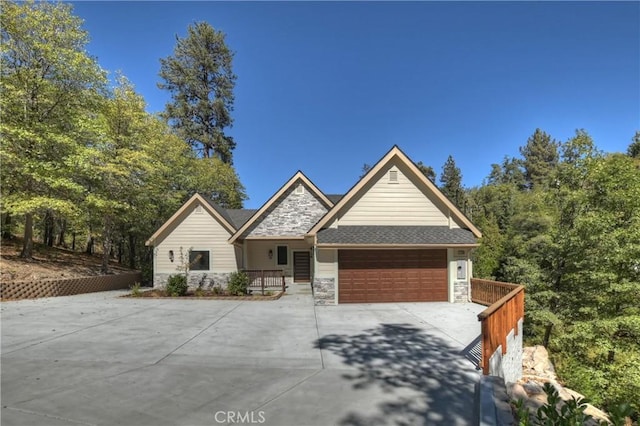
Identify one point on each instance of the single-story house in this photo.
(392, 237)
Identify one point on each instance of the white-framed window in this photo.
(282, 255)
(199, 260)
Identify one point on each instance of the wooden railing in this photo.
(500, 317)
(485, 292)
(266, 278)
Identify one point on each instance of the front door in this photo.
(301, 266)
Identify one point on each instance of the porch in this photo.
(282, 258)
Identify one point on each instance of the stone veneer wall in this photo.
(460, 292)
(292, 215)
(210, 279)
(509, 365)
(324, 291)
(68, 286)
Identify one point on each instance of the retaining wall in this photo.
(66, 287)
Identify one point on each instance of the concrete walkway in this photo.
(97, 359)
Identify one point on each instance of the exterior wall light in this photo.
(171, 255)
(270, 254)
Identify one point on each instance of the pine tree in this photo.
(200, 79)
(540, 157)
(451, 183)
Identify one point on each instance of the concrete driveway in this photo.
(97, 359)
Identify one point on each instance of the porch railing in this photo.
(500, 317)
(266, 278)
(486, 292)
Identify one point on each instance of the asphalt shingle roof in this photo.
(240, 216)
(334, 198)
(395, 235)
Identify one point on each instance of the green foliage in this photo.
(238, 283)
(135, 290)
(540, 158)
(451, 183)
(555, 412)
(634, 148)
(573, 240)
(177, 285)
(200, 79)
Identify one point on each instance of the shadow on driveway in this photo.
(397, 357)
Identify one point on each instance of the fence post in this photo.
(262, 282)
(283, 286)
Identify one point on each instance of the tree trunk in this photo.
(27, 244)
(132, 251)
(547, 335)
(73, 242)
(89, 249)
(120, 250)
(6, 226)
(63, 228)
(48, 228)
(106, 246)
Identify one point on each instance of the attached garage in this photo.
(370, 276)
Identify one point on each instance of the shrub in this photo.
(177, 285)
(135, 290)
(238, 283)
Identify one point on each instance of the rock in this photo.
(535, 361)
(533, 388)
(516, 391)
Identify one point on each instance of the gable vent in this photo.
(300, 189)
(393, 176)
(198, 209)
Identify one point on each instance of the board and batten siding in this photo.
(397, 203)
(197, 231)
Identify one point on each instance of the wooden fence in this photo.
(266, 278)
(506, 309)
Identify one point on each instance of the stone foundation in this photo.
(324, 291)
(508, 365)
(461, 292)
(207, 279)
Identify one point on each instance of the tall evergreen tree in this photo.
(451, 183)
(427, 171)
(200, 78)
(540, 157)
(634, 149)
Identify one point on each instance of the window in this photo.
(393, 176)
(282, 258)
(199, 260)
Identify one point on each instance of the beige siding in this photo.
(197, 231)
(326, 263)
(258, 254)
(401, 203)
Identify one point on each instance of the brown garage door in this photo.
(367, 276)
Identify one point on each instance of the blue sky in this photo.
(327, 86)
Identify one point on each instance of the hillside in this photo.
(48, 262)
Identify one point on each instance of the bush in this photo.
(238, 284)
(135, 289)
(177, 285)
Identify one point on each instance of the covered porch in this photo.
(276, 258)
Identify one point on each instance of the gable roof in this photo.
(395, 236)
(214, 210)
(393, 153)
(240, 216)
(283, 189)
(334, 197)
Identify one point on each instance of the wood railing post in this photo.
(283, 286)
(262, 282)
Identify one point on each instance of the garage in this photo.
(373, 276)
